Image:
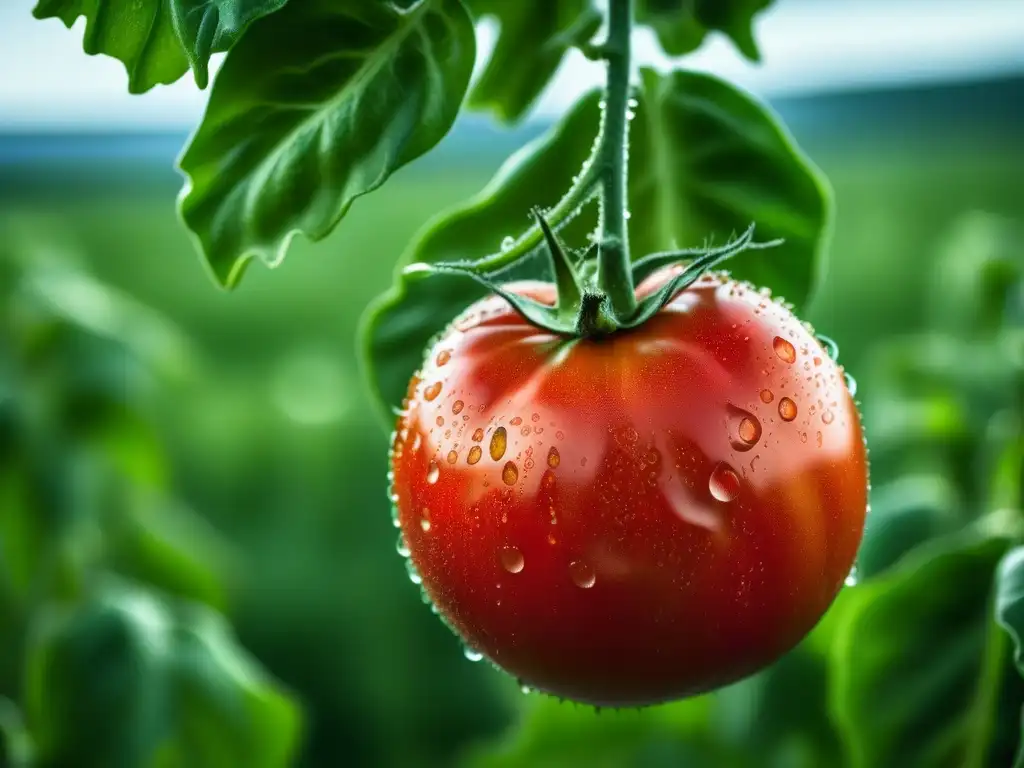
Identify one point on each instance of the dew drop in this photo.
(433, 472)
(471, 654)
(417, 441)
(852, 578)
(554, 459)
(851, 384)
(548, 480)
(474, 455)
(425, 525)
(439, 421)
(510, 473)
(819, 438)
(724, 483)
(512, 560)
(582, 575)
(560, 435)
(787, 409)
(499, 440)
(431, 392)
(535, 417)
(401, 547)
(516, 421)
(443, 357)
(453, 456)
(767, 396)
(507, 242)
(478, 435)
(785, 351)
(827, 417)
(457, 406)
(746, 430)
(414, 575)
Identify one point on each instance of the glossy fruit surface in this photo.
(639, 518)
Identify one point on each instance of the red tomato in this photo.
(639, 518)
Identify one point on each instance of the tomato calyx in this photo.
(582, 308)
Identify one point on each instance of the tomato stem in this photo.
(614, 273)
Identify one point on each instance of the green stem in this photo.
(614, 274)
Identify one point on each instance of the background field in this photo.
(272, 440)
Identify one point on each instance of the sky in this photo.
(807, 46)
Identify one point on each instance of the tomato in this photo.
(636, 518)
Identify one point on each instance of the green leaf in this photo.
(906, 513)
(140, 34)
(347, 93)
(15, 744)
(980, 261)
(922, 676)
(535, 36)
(565, 735)
(401, 322)
(129, 679)
(211, 26)
(1010, 615)
(682, 25)
(707, 160)
(157, 40)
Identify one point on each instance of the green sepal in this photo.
(650, 305)
(541, 315)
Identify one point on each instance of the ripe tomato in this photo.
(638, 518)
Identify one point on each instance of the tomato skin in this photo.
(653, 527)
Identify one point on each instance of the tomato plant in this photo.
(621, 473)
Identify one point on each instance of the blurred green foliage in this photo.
(167, 450)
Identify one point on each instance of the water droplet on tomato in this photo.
(554, 459)
(831, 348)
(443, 357)
(472, 654)
(851, 384)
(417, 441)
(499, 440)
(457, 406)
(852, 578)
(548, 480)
(453, 456)
(827, 417)
(425, 525)
(560, 435)
(439, 421)
(510, 473)
(414, 575)
(745, 429)
(433, 472)
(432, 391)
(767, 396)
(516, 421)
(582, 575)
(401, 547)
(785, 351)
(512, 560)
(474, 455)
(787, 409)
(724, 483)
